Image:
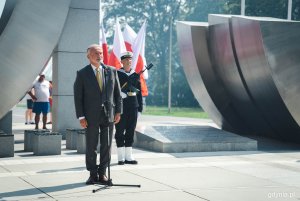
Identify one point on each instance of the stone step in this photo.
(174, 139)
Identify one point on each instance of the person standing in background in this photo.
(28, 112)
(41, 100)
(50, 102)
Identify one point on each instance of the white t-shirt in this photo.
(42, 91)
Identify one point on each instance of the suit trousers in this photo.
(92, 137)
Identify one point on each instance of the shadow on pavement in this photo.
(41, 190)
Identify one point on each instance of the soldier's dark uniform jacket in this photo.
(131, 88)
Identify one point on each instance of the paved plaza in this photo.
(271, 173)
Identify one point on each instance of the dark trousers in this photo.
(126, 127)
(92, 136)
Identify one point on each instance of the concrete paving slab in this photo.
(267, 156)
(3, 170)
(15, 188)
(262, 170)
(48, 168)
(291, 180)
(238, 194)
(68, 185)
(174, 195)
(185, 178)
(59, 184)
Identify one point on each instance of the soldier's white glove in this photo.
(123, 95)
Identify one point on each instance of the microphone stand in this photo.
(109, 183)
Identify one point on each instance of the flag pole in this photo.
(100, 17)
(243, 7)
(290, 5)
(170, 68)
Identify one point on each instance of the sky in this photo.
(2, 2)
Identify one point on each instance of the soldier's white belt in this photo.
(131, 93)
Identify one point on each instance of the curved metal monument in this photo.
(252, 77)
(29, 32)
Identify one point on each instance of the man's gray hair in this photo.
(93, 46)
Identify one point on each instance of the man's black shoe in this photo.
(121, 162)
(91, 180)
(103, 179)
(133, 162)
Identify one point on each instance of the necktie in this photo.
(99, 78)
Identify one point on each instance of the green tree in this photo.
(270, 8)
(296, 10)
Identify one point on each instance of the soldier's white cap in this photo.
(126, 54)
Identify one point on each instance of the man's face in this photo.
(126, 62)
(95, 55)
(41, 78)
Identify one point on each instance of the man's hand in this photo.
(117, 118)
(32, 96)
(83, 123)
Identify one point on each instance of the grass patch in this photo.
(176, 112)
(163, 111)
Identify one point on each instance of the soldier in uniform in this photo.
(132, 104)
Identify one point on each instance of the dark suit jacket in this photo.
(89, 99)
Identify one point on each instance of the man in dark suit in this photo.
(98, 104)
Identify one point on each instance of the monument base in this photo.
(176, 139)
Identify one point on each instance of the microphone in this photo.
(103, 66)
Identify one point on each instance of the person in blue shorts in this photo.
(41, 100)
(28, 112)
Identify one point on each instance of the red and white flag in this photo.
(129, 37)
(139, 60)
(118, 48)
(104, 46)
(136, 43)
